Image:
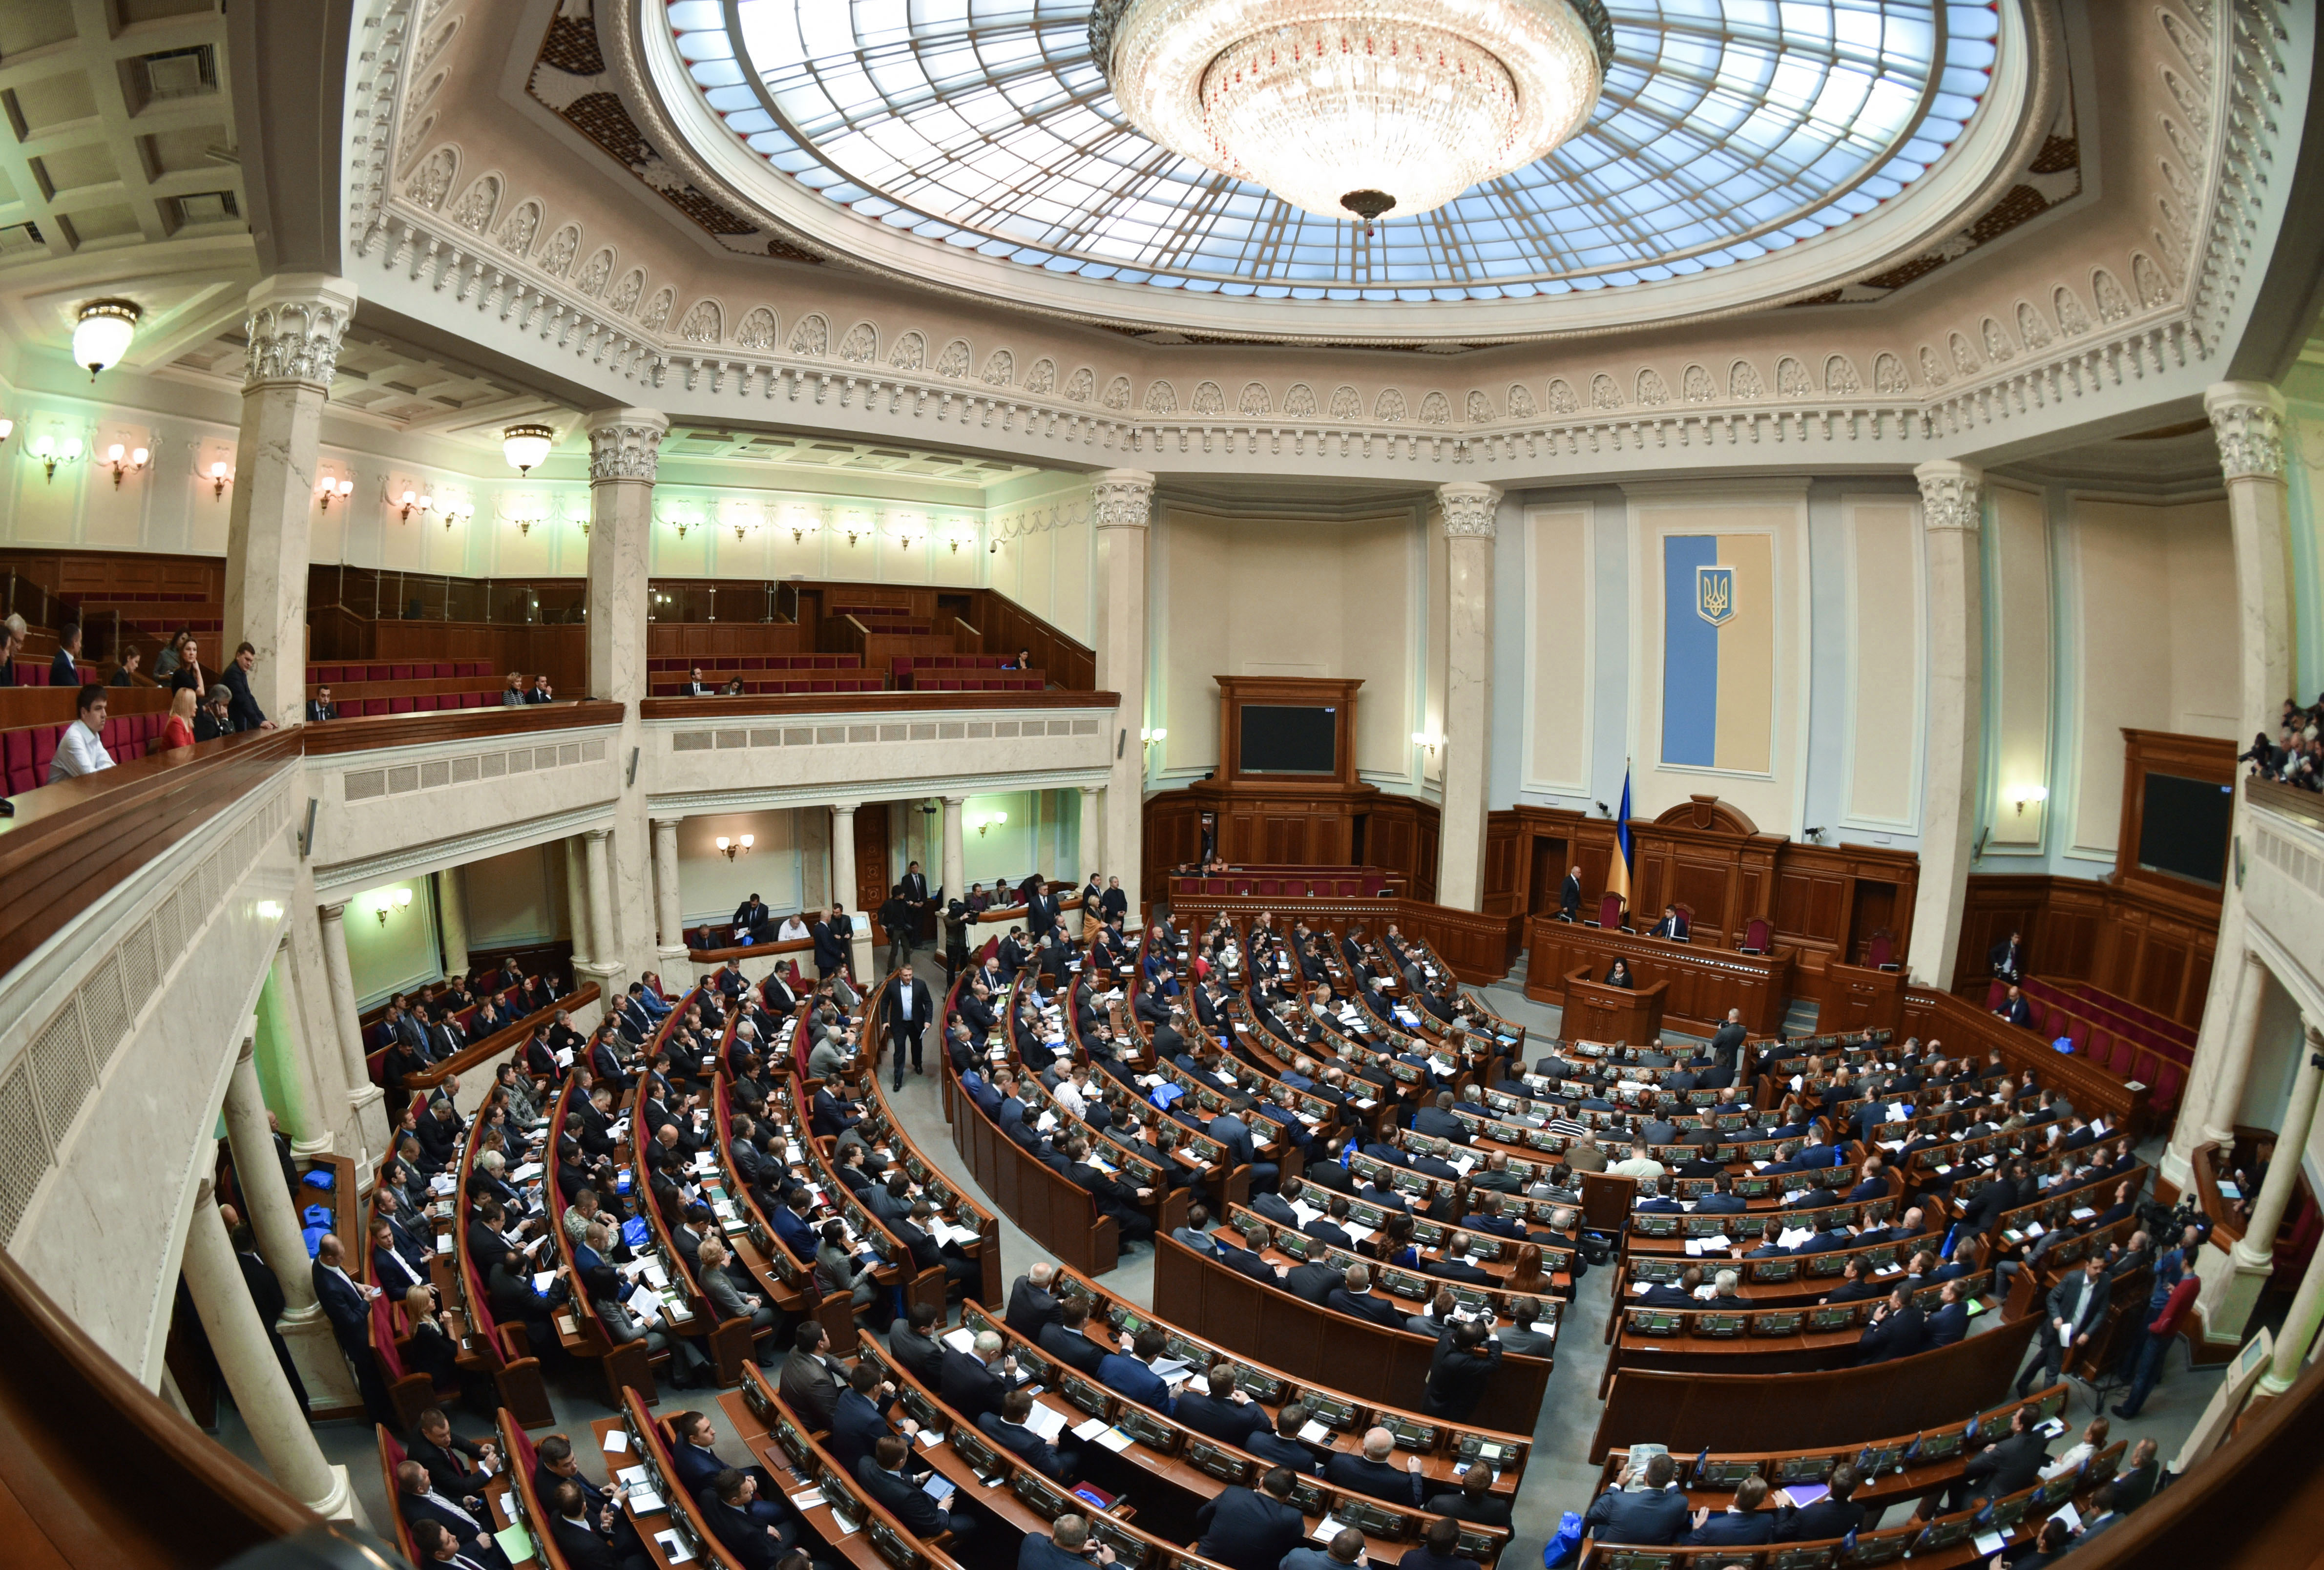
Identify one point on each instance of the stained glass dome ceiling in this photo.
(1727, 132)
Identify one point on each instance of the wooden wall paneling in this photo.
(1505, 865)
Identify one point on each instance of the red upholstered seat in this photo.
(2125, 1053)
(2079, 1033)
(2162, 1093)
(1880, 950)
(1610, 910)
(379, 673)
(399, 706)
(1994, 994)
(444, 668)
(1757, 935)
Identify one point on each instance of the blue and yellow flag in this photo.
(1618, 877)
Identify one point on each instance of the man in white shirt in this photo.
(793, 930)
(1072, 1092)
(80, 749)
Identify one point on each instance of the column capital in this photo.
(1121, 499)
(1952, 495)
(295, 321)
(1467, 506)
(247, 1051)
(2247, 420)
(663, 822)
(953, 800)
(847, 807)
(624, 444)
(598, 834)
(205, 1191)
(336, 911)
(1091, 789)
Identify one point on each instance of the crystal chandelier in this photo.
(1356, 108)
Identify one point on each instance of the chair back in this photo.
(1610, 910)
(1881, 951)
(1757, 935)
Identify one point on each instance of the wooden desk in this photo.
(1368, 1363)
(1688, 1411)
(1857, 997)
(1705, 980)
(1598, 1011)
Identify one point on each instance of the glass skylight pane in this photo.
(1725, 127)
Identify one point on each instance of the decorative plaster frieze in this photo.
(1121, 499)
(624, 444)
(295, 324)
(2247, 419)
(1468, 508)
(1952, 496)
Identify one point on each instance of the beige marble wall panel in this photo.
(1561, 634)
(1886, 657)
(690, 765)
(2020, 676)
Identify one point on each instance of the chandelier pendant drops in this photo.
(1355, 108)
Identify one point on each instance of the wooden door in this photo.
(1546, 875)
(1874, 911)
(872, 881)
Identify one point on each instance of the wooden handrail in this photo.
(455, 725)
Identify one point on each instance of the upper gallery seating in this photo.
(406, 687)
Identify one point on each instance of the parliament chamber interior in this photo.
(1711, 956)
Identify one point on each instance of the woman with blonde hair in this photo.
(178, 730)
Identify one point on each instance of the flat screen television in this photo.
(1280, 739)
(2183, 829)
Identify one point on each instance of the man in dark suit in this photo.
(1031, 1306)
(1009, 1428)
(1949, 1323)
(1247, 1530)
(2008, 959)
(1463, 1364)
(247, 715)
(860, 1418)
(1132, 1373)
(1727, 1044)
(1569, 896)
(831, 944)
(972, 1382)
(1643, 1509)
(2003, 1468)
(1673, 925)
(1373, 1474)
(1315, 1281)
(1354, 1296)
(470, 1521)
(811, 1381)
(320, 707)
(1437, 1121)
(1833, 1516)
(2077, 1307)
(1066, 1339)
(347, 1305)
(2140, 1474)
(1741, 1523)
(2016, 1009)
(266, 1295)
(881, 1475)
(446, 1456)
(1899, 1329)
(1218, 1409)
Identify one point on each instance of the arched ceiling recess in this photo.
(1741, 155)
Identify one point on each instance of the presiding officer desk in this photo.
(1702, 980)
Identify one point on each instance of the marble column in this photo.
(2306, 1315)
(1122, 505)
(955, 855)
(668, 908)
(2216, 1117)
(1469, 531)
(452, 920)
(237, 1338)
(603, 969)
(843, 885)
(1087, 832)
(577, 901)
(282, 1047)
(1951, 511)
(2247, 422)
(294, 324)
(273, 1219)
(625, 445)
(2233, 1283)
(365, 1100)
